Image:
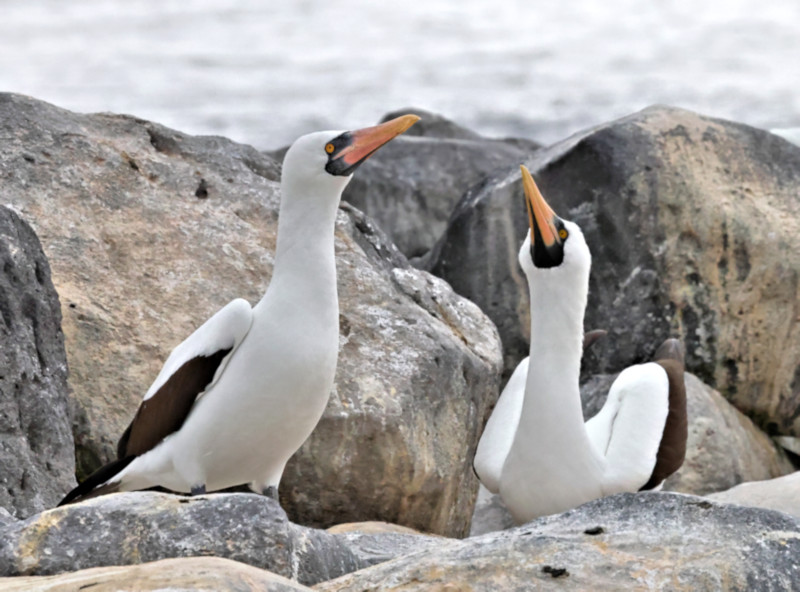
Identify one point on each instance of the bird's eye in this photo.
(563, 233)
(329, 148)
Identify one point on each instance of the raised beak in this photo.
(364, 142)
(540, 213)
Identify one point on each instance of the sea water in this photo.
(264, 72)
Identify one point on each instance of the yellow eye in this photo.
(563, 233)
(329, 148)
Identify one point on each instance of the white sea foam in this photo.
(264, 72)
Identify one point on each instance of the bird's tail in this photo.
(671, 349)
(98, 483)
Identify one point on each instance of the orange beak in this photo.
(366, 141)
(539, 212)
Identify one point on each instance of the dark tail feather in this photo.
(672, 451)
(671, 349)
(95, 484)
(591, 336)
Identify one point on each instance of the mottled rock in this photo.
(6, 517)
(35, 437)
(782, 494)
(411, 185)
(653, 541)
(376, 542)
(724, 448)
(156, 230)
(194, 574)
(139, 527)
(371, 527)
(694, 228)
(433, 125)
(490, 514)
(790, 444)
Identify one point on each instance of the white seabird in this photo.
(237, 398)
(536, 451)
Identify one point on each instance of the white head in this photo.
(322, 163)
(554, 252)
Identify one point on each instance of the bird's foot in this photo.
(198, 490)
(270, 491)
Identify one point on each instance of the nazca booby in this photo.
(237, 398)
(536, 450)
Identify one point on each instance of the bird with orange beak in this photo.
(242, 393)
(536, 450)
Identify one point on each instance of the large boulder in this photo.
(35, 437)
(694, 230)
(782, 494)
(653, 541)
(150, 231)
(139, 527)
(193, 574)
(412, 185)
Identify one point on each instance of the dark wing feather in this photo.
(87, 488)
(672, 450)
(164, 412)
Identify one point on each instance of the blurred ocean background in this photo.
(264, 72)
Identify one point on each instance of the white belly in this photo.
(256, 416)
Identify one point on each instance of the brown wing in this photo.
(672, 450)
(164, 412)
(591, 336)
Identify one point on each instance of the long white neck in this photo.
(551, 441)
(552, 405)
(305, 268)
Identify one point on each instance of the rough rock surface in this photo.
(490, 514)
(195, 574)
(153, 231)
(376, 542)
(782, 494)
(694, 228)
(138, 527)
(724, 448)
(411, 186)
(35, 437)
(648, 541)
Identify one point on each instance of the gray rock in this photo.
(782, 494)
(411, 186)
(490, 514)
(790, 444)
(139, 527)
(192, 574)
(6, 517)
(694, 232)
(433, 125)
(654, 541)
(375, 542)
(156, 230)
(374, 548)
(724, 448)
(35, 438)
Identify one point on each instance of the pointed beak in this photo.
(365, 142)
(539, 212)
